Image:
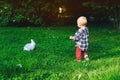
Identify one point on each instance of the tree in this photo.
(111, 8)
(34, 11)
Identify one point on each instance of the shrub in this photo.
(5, 13)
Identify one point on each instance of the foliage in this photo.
(30, 11)
(40, 12)
(54, 56)
(5, 13)
(110, 8)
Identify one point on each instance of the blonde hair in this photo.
(82, 21)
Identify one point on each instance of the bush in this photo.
(5, 14)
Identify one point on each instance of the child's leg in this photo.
(85, 55)
(78, 54)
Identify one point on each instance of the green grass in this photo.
(54, 56)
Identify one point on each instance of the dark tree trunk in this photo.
(116, 15)
(118, 18)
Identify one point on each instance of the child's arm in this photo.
(78, 35)
(72, 37)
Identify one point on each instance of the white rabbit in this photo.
(29, 46)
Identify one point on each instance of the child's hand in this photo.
(71, 37)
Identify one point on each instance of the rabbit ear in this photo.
(31, 39)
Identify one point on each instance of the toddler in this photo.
(81, 39)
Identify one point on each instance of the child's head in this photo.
(81, 21)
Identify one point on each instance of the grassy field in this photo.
(54, 56)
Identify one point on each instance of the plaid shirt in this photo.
(81, 38)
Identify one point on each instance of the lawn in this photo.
(54, 56)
